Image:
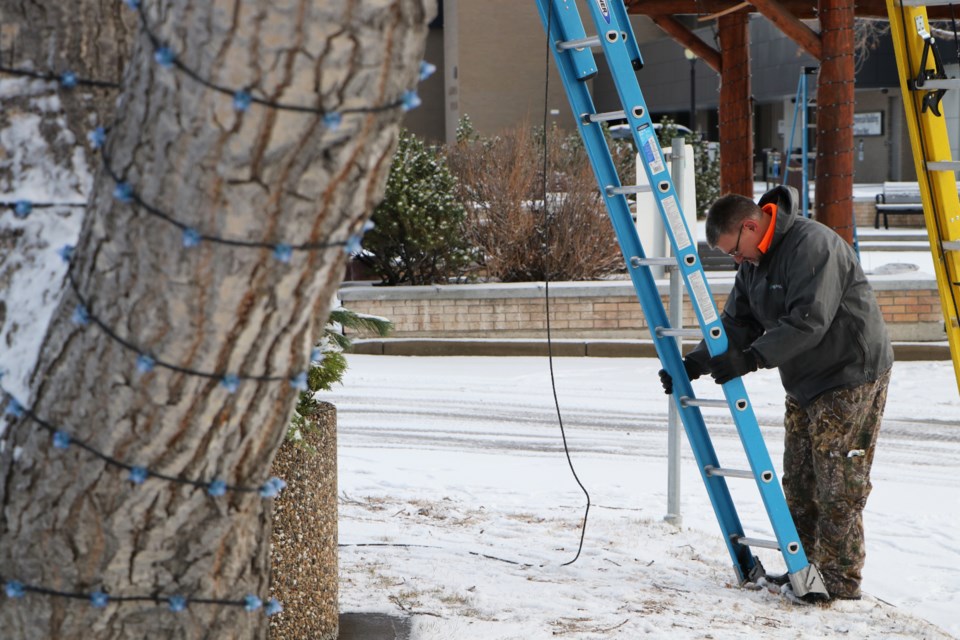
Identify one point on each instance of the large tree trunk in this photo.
(69, 521)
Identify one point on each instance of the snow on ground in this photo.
(31, 269)
(457, 506)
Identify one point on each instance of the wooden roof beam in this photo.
(689, 39)
(791, 27)
(800, 9)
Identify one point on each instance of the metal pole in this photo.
(676, 321)
(805, 189)
(693, 95)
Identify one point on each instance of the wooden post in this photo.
(736, 108)
(835, 108)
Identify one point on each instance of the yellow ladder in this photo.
(923, 83)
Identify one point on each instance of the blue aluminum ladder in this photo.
(571, 48)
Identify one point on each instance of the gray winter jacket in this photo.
(806, 309)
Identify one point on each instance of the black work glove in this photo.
(693, 372)
(731, 364)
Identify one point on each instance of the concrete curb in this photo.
(903, 351)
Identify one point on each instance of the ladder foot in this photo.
(808, 580)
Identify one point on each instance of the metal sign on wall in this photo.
(868, 123)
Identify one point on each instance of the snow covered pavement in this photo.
(459, 509)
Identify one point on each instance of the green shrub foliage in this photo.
(418, 235)
(329, 369)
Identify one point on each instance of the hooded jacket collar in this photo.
(786, 199)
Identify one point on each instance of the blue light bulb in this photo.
(283, 252)
(252, 602)
(299, 381)
(332, 120)
(217, 488)
(61, 440)
(97, 137)
(68, 80)
(14, 589)
(164, 57)
(242, 100)
(80, 316)
(191, 238)
(177, 603)
(354, 244)
(22, 208)
(123, 192)
(272, 488)
(273, 607)
(13, 408)
(316, 354)
(426, 70)
(230, 382)
(411, 100)
(145, 363)
(99, 599)
(138, 475)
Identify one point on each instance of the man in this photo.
(801, 303)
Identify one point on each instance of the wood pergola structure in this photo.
(832, 46)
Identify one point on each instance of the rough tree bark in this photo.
(69, 521)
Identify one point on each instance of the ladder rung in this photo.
(628, 190)
(950, 245)
(926, 3)
(653, 262)
(606, 116)
(663, 332)
(687, 401)
(937, 83)
(579, 43)
(756, 542)
(711, 470)
(943, 165)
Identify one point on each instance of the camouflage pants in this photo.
(828, 452)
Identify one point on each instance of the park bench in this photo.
(898, 198)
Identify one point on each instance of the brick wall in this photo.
(866, 212)
(590, 310)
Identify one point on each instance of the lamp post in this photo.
(692, 57)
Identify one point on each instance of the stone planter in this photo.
(304, 545)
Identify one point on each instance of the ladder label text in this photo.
(702, 297)
(672, 210)
(604, 10)
(650, 148)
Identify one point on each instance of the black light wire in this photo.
(923, 157)
(546, 284)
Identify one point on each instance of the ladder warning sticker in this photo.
(702, 297)
(650, 148)
(672, 210)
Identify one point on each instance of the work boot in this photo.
(779, 579)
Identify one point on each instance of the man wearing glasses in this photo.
(801, 303)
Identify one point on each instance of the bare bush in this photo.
(502, 187)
